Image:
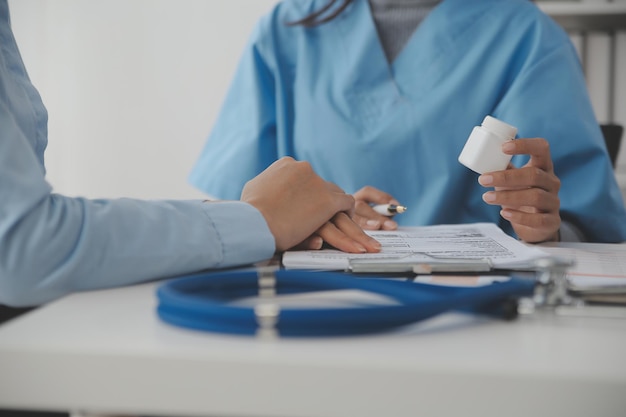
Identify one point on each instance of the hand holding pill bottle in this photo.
(483, 149)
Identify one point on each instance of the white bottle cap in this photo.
(483, 149)
(500, 128)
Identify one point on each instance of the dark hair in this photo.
(316, 18)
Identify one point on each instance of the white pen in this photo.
(389, 209)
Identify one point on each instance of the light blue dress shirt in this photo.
(328, 95)
(51, 245)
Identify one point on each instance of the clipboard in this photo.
(437, 265)
(453, 248)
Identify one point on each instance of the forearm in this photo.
(64, 244)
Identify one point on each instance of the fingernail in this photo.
(390, 224)
(485, 179)
(489, 197)
(394, 201)
(506, 214)
(317, 242)
(373, 223)
(360, 248)
(508, 146)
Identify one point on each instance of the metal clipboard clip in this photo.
(424, 264)
(554, 293)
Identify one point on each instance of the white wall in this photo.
(132, 86)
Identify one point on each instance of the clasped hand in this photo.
(303, 211)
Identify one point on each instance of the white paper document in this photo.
(596, 264)
(425, 244)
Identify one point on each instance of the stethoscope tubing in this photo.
(203, 302)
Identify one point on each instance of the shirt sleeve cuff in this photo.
(242, 231)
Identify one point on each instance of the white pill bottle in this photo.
(483, 150)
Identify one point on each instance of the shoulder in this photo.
(518, 26)
(524, 18)
(275, 39)
(274, 24)
(286, 11)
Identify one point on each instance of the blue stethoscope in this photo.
(205, 302)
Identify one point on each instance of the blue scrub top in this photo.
(327, 95)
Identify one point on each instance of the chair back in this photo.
(612, 138)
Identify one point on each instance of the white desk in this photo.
(107, 351)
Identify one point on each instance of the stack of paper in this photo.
(428, 244)
(599, 273)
